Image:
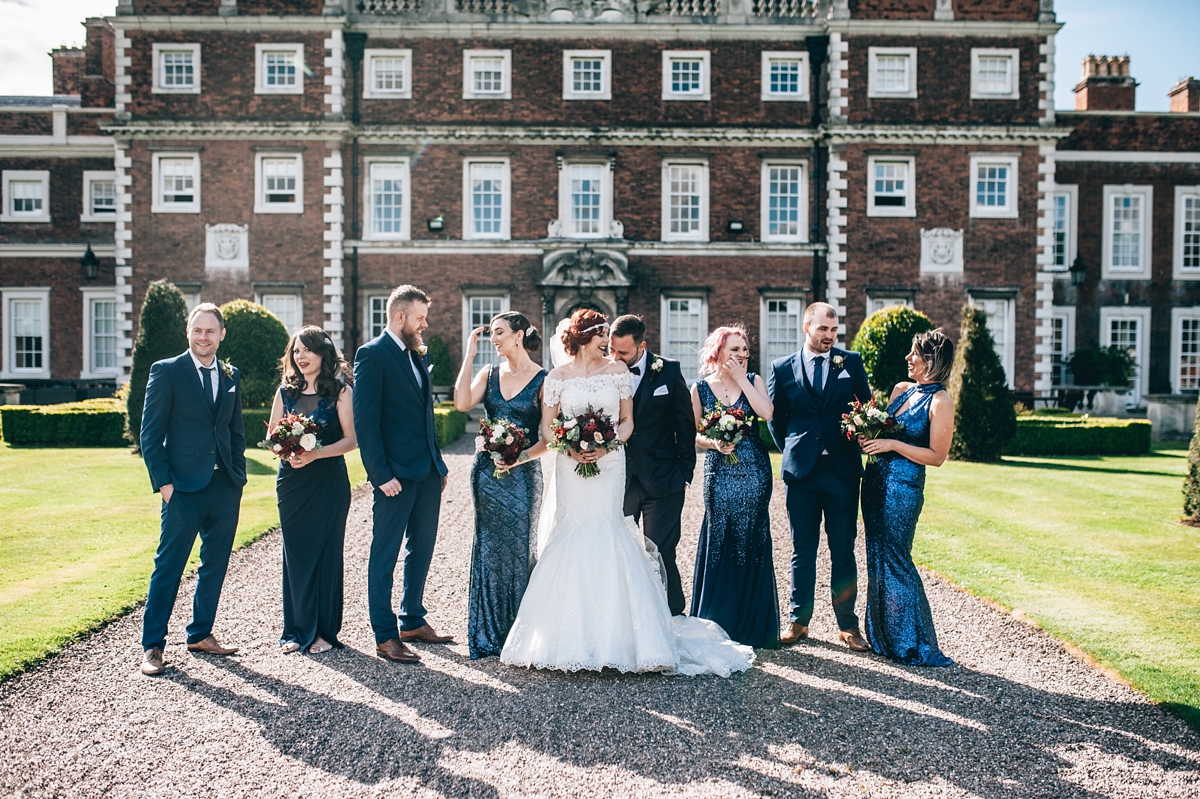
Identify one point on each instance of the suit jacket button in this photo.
(212, 452)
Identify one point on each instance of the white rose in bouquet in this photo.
(480, 441)
(297, 429)
(308, 442)
(570, 423)
(278, 448)
(508, 439)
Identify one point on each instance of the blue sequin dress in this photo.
(506, 517)
(899, 624)
(734, 580)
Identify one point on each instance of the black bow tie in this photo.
(637, 370)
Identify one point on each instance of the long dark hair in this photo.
(532, 341)
(334, 374)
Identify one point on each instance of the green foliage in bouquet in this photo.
(254, 342)
(1101, 366)
(439, 358)
(1191, 483)
(162, 333)
(883, 341)
(984, 417)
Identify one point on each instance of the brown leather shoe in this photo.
(152, 662)
(211, 646)
(854, 640)
(425, 634)
(395, 651)
(793, 634)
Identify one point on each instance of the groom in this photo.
(660, 456)
(393, 418)
(811, 390)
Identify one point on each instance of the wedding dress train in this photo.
(596, 599)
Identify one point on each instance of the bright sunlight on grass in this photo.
(78, 539)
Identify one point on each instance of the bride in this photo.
(596, 598)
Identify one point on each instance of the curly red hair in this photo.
(585, 325)
(710, 351)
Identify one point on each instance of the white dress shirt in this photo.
(641, 365)
(809, 359)
(214, 374)
(404, 349)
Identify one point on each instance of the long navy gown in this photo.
(506, 516)
(899, 624)
(313, 504)
(734, 580)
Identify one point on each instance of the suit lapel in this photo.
(194, 379)
(830, 386)
(223, 385)
(402, 357)
(644, 388)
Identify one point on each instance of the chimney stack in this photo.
(1106, 85)
(1185, 96)
(69, 68)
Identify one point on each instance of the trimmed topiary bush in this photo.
(90, 423)
(1079, 435)
(1191, 483)
(162, 333)
(984, 417)
(254, 342)
(439, 358)
(883, 341)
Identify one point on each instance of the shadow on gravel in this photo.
(810, 711)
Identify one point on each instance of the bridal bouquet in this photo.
(587, 432)
(868, 420)
(728, 426)
(291, 435)
(503, 440)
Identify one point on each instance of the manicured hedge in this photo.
(254, 420)
(449, 423)
(1079, 435)
(764, 433)
(91, 423)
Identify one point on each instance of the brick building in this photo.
(694, 161)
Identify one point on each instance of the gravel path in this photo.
(1018, 717)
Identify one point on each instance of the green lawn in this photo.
(78, 539)
(1089, 548)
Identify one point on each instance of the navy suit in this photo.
(393, 418)
(806, 424)
(197, 446)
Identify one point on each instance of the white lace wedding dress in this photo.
(595, 599)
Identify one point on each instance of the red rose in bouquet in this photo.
(291, 435)
(868, 420)
(503, 440)
(729, 426)
(589, 431)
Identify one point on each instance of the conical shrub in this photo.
(254, 342)
(162, 333)
(1191, 483)
(984, 417)
(883, 341)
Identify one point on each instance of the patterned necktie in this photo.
(819, 374)
(206, 379)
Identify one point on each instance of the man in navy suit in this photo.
(393, 418)
(811, 390)
(194, 448)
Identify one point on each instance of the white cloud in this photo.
(30, 29)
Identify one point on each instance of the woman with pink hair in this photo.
(734, 580)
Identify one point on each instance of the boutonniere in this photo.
(838, 362)
(422, 350)
(227, 368)
(656, 365)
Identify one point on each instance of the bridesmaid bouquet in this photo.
(589, 431)
(729, 426)
(291, 435)
(503, 440)
(868, 420)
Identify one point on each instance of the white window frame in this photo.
(260, 68)
(1072, 248)
(877, 302)
(405, 232)
(261, 298)
(804, 78)
(368, 312)
(469, 92)
(190, 298)
(93, 176)
(505, 231)
(1143, 272)
(158, 49)
(909, 209)
(7, 295)
(690, 365)
(1014, 55)
(10, 176)
(1008, 359)
(703, 56)
(485, 339)
(1141, 378)
(873, 54)
(92, 295)
(606, 197)
(605, 58)
(765, 199)
(1009, 210)
(1177, 317)
(1181, 194)
(702, 233)
(1067, 314)
(261, 206)
(369, 90)
(157, 205)
(764, 323)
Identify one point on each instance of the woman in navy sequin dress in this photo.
(899, 624)
(734, 579)
(313, 491)
(507, 501)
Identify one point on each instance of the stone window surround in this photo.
(264, 290)
(1072, 193)
(157, 51)
(1014, 73)
(1177, 317)
(803, 225)
(879, 298)
(93, 294)
(1009, 210)
(703, 56)
(605, 57)
(785, 55)
(505, 202)
(472, 293)
(260, 68)
(909, 209)
(978, 297)
(1181, 193)
(505, 57)
(606, 195)
(665, 298)
(1147, 194)
(1067, 314)
(1142, 313)
(157, 205)
(10, 176)
(261, 206)
(369, 90)
(369, 299)
(873, 53)
(703, 233)
(405, 232)
(766, 296)
(7, 295)
(93, 176)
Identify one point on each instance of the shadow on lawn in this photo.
(1075, 467)
(801, 712)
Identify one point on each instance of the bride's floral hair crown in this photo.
(585, 325)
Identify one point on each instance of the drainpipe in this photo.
(818, 49)
(354, 42)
